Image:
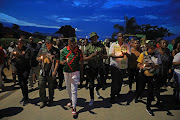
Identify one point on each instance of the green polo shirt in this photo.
(96, 61)
(73, 58)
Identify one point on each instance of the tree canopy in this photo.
(131, 27)
(67, 31)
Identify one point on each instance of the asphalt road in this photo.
(124, 109)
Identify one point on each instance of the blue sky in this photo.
(89, 15)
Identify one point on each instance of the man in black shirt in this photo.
(21, 58)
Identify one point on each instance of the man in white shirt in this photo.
(119, 63)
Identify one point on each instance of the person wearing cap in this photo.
(148, 65)
(118, 53)
(21, 58)
(49, 60)
(34, 48)
(94, 54)
(72, 59)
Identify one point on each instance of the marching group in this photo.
(153, 65)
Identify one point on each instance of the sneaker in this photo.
(74, 111)
(97, 93)
(150, 111)
(69, 104)
(42, 104)
(91, 102)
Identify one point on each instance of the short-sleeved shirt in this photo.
(121, 63)
(152, 60)
(97, 61)
(73, 58)
(49, 60)
(177, 59)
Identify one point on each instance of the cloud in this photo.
(139, 4)
(10, 19)
(151, 17)
(59, 19)
(81, 4)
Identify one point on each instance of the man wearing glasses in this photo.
(49, 59)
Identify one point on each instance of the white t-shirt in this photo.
(121, 63)
(177, 59)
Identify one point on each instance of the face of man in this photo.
(20, 45)
(163, 44)
(48, 45)
(136, 44)
(120, 39)
(57, 42)
(151, 49)
(72, 45)
(31, 40)
(94, 39)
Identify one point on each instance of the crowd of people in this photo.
(154, 65)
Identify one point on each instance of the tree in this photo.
(131, 27)
(15, 26)
(154, 32)
(67, 31)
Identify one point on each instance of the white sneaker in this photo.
(91, 102)
(97, 93)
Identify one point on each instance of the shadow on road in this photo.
(10, 111)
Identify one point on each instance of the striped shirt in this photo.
(73, 58)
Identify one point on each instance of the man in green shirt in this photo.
(95, 53)
(70, 57)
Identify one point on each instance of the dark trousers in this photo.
(22, 77)
(60, 76)
(106, 68)
(84, 72)
(92, 74)
(117, 79)
(153, 85)
(133, 75)
(42, 87)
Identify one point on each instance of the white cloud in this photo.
(139, 4)
(59, 19)
(151, 17)
(115, 20)
(81, 3)
(10, 19)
